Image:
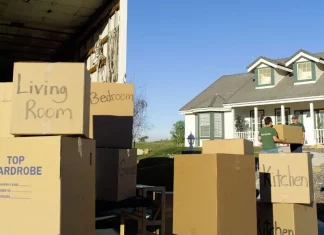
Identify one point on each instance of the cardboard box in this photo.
(286, 178)
(5, 108)
(288, 219)
(292, 134)
(116, 171)
(111, 114)
(50, 99)
(47, 186)
(212, 192)
(229, 146)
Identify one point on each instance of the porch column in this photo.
(256, 126)
(283, 116)
(311, 136)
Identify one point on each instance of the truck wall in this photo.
(117, 20)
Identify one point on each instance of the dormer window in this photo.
(304, 71)
(264, 76)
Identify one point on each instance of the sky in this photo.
(177, 48)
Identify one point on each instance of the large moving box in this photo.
(286, 178)
(230, 146)
(111, 114)
(288, 219)
(47, 186)
(292, 134)
(5, 108)
(213, 194)
(116, 171)
(50, 99)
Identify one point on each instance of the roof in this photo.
(238, 88)
(285, 89)
(221, 90)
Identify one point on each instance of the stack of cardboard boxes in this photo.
(214, 192)
(47, 179)
(286, 204)
(111, 123)
(51, 171)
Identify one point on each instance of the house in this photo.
(276, 88)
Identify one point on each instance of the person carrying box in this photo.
(268, 136)
(297, 148)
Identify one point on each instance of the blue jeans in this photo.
(270, 151)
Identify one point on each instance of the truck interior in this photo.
(49, 30)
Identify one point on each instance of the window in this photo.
(204, 125)
(264, 76)
(300, 115)
(260, 119)
(304, 71)
(278, 116)
(218, 125)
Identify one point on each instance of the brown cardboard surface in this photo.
(50, 188)
(111, 114)
(213, 192)
(292, 134)
(229, 146)
(50, 99)
(5, 108)
(288, 219)
(286, 178)
(116, 171)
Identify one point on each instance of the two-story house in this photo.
(276, 88)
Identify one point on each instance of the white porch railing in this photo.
(319, 136)
(248, 135)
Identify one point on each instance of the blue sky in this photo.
(177, 48)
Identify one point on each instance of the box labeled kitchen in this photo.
(47, 185)
(286, 178)
(287, 218)
(111, 114)
(50, 99)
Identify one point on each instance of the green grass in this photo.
(162, 148)
(165, 148)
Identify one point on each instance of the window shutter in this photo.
(256, 74)
(313, 70)
(295, 71)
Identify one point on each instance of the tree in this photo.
(178, 133)
(141, 123)
(240, 124)
(143, 138)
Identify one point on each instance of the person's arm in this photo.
(259, 137)
(275, 138)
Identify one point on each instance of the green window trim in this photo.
(295, 71)
(256, 72)
(211, 126)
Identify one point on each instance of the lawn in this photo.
(166, 148)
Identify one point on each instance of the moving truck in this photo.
(92, 31)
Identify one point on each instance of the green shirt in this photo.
(299, 124)
(267, 133)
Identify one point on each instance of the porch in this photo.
(248, 120)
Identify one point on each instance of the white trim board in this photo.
(201, 110)
(278, 101)
(276, 66)
(302, 54)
